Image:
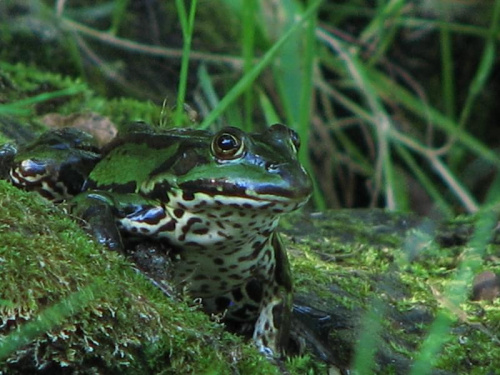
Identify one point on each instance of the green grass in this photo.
(187, 24)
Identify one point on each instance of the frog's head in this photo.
(250, 170)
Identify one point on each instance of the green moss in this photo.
(346, 263)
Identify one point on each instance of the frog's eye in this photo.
(227, 145)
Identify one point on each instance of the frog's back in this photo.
(138, 156)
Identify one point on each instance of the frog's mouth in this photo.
(283, 193)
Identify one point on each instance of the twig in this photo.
(170, 53)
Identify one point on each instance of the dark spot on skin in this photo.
(200, 205)
(223, 270)
(216, 278)
(266, 233)
(237, 295)
(257, 245)
(267, 326)
(178, 213)
(144, 230)
(190, 223)
(201, 231)
(168, 227)
(187, 196)
(233, 266)
(219, 247)
(187, 227)
(200, 277)
(254, 290)
(222, 234)
(219, 261)
(248, 206)
(235, 277)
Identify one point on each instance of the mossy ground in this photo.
(353, 263)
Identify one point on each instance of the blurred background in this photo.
(396, 102)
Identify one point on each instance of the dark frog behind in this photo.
(215, 198)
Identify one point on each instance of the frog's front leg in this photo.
(272, 328)
(108, 214)
(97, 210)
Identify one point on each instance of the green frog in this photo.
(215, 199)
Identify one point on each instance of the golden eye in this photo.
(227, 145)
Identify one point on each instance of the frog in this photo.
(214, 197)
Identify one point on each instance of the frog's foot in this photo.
(272, 328)
(96, 210)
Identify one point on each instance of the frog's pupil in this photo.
(227, 142)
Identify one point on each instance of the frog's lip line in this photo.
(279, 196)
